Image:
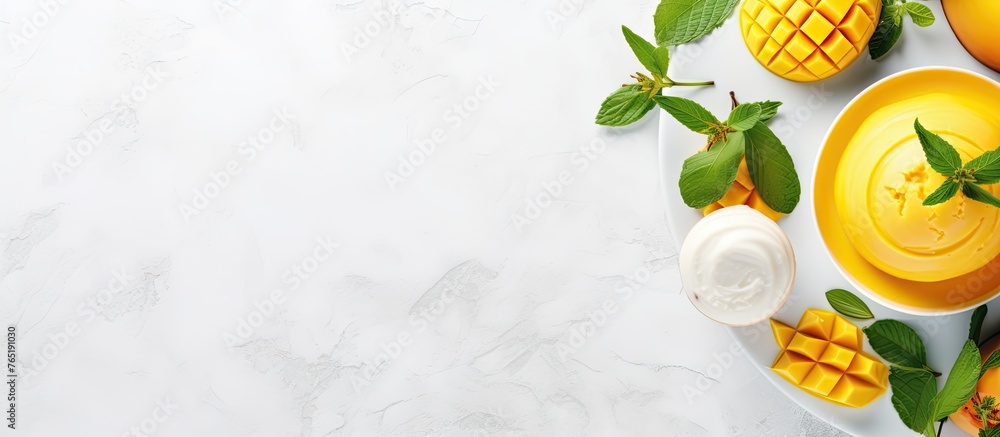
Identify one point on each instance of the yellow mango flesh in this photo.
(823, 356)
(884, 177)
(808, 40)
(743, 192)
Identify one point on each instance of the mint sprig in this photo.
(631, 102)
(675, 22)
(968, 178)
(707, 176)
(890, 24)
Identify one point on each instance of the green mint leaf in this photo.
(961, 383)
(662, 56)
(941, 156)
(707, 176)
(992, 362)
(644, 52)
(678, 22)
(946, 191)
(920, 13)
(897, 343)
(990, 432)
(846, 303)
(976, 323)
(979, 194)
(624, 106)
(768, 109)
(771, 169)
(744, 116)
(912, 392)
(886, 32)
(986, 167)
(689, 113)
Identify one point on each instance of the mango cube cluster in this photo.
(824, 356)
(808, 40)
(743, 192)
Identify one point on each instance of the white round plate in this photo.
(809, 110)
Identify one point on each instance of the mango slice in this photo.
(743, 192)
(808, 40)
(823, 355)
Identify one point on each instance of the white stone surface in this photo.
(143, 235)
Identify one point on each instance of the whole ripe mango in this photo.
(808, 40)
(743, 192)
(975, 25)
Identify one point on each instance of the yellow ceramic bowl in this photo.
(916, 293)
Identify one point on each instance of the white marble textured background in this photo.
(349, 217)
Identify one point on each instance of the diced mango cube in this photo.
(711, 208)
(737, 195)
(809, 346)
(800, 46)
(756, 202)
(855, 23)
(743, 175)
(869, 369)
(783, 62)
(792, 366)
(818, 62)
(782, 333)
(817, 28)
(822, 379)
(834, 10)
(784, 31)
(846, 334)
(799, 12)
(756, 37)
(768, 18)
(837, 356)
(782, 5)
(817, 323)
(854, 392)
(836, 46)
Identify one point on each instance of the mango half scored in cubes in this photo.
(808, 40)
(824, 356)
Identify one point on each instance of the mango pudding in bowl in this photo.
(884, 178)
(872, 179)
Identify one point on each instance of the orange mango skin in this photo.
(743, 193)
(975, 25)
(823, 355)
